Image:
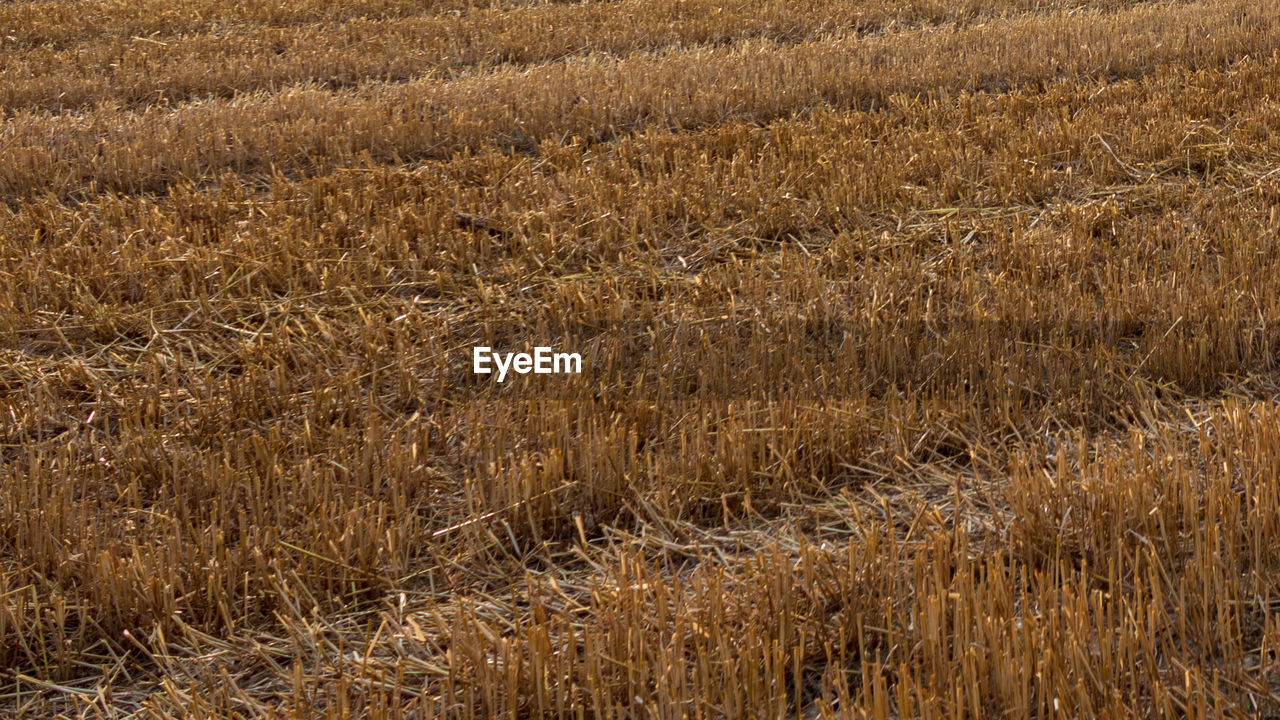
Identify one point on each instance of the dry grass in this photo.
(242, 57)
(929, 359)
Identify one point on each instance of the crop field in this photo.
(930, 359)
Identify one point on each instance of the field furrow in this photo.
(238, 59)
(309, 129)
(68, 23)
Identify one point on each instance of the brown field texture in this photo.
(930, 359)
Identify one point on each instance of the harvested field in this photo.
(930, 357)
